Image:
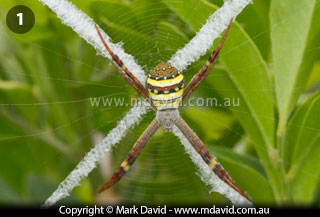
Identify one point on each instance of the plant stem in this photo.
(274, 175)
(280, 161)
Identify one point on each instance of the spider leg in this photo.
(132, 84)
(123, 70)
(204, 153)
(133, 154)
(203, 73)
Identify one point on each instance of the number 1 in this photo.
(20, 15)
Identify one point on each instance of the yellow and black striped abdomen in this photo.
(165, 86)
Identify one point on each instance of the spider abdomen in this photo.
(165, 86)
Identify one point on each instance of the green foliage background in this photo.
(270, 144)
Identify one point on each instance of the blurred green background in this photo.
(269, 144)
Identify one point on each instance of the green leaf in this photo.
(257, 27)
(188, 11)
(301, 130)
(246, 79)
(295, 29)
(302, 142)
(304, 184)
(116, 12)
(204, 118)
(314, 76)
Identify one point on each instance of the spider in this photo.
(165, 91)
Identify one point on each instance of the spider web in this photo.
(84, 26)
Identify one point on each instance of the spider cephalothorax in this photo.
(165, 92)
